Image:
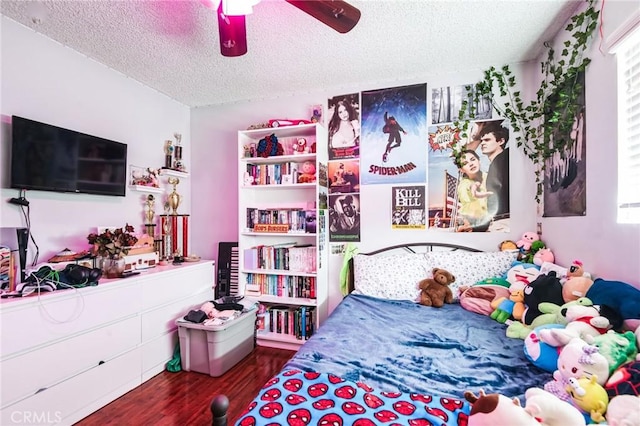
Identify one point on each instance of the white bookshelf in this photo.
(284, 199)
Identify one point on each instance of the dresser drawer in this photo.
(77, 397)
(162, 319)
(163, 288)
(59, 316)
(25, 374)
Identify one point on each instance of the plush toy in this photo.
(622, 297)
(577, 359)
(543, 255)
(623, 410)
(513, 306)
(589, 396)
(269, 146)
(479, 296)
(617, 348)
(540, 354)
(625, 380)
(582, 321)
(307, 172)
(550, 410)
(435, 291)
(551, 314)
(495, 409)
(545, 288)
(524, 243)
(300, 147)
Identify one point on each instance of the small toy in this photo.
(623, 410)
(300, 147)
(550, 410)
(577, 359)
(435, 291)
(307, 172)
(280, 122)
(582, 321)
(269, 147)
(545, 288)
(551, 314)
(625, 380)
(617, 348)
(513, 306)
(495, 409)
(543, 255)
(541, 354)
(590, 396)
(524, 243)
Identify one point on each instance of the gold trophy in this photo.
(174, 199)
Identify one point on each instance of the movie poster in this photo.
(565, 175)
(394, 133)
(408, 207)
(344, 176)
(469, 193)
(344, 126)
(344, 218)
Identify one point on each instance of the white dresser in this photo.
(66, 354)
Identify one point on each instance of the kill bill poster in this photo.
(408, 207)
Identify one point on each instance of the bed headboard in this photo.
(411, 248)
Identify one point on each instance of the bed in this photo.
(379, 359)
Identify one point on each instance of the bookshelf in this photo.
(282, 236)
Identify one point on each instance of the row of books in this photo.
(283, 285)
(298, 220)
(287, 320)
(296, 258)
(272, 174)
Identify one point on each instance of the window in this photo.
(628, 56)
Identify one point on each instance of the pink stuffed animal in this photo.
(524, 243)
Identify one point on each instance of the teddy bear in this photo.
(307, 173)
(435, 291)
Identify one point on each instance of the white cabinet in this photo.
(282, 238)
(66, 354)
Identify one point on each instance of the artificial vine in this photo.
(542, 126)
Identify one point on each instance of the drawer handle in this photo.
(41, 390)
(101, 362)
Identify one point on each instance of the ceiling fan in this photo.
(337, 14)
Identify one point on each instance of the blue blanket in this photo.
(400, 346)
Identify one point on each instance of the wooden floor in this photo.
(183, 398)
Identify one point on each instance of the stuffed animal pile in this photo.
(584, 331)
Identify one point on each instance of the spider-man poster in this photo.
(394, 135)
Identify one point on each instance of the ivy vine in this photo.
(542, 126)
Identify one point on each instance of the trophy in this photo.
(174, 198)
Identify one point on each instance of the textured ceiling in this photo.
(172, 46)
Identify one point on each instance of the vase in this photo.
(113, 268)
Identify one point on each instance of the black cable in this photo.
(27, 219)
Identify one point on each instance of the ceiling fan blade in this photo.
(337, 14)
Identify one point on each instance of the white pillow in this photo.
(470, 267)
(393, 277)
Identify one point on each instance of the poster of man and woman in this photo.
(384, 137)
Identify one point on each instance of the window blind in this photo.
(629, 129)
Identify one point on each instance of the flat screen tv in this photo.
(50, 158)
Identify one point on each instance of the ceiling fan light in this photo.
(238, 7)
(233, 34)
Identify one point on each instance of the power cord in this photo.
(22, 202)
(54, 277)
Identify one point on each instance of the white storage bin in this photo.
(213, 350)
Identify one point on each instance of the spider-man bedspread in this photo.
(402, 347)
(301, 398)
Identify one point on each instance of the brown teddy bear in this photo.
(435, 291)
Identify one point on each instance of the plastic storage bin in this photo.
(215, 349)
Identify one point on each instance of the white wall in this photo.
(46, 81)
(215, 192)
(608, 249)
